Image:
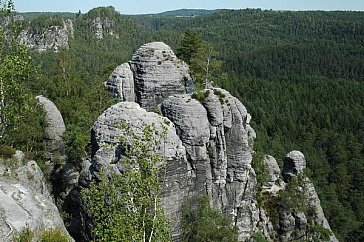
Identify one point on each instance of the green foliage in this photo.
(201, 95)
(206, 224)
(21, 118)
(43, 235)
(76, 141)
(294, 195)
(25, 235)
(259, 237)
(201, 56)
(6, 151)
(44, 22)
(53, 235)
(190, 46)
(126, 207)
(260, 170)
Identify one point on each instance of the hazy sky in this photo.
(156, 6)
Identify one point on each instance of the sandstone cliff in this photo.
(51, 38)
(214, 154)
(209, 148)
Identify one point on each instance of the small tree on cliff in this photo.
(201, 57)
(127, 207)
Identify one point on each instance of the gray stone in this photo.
(121, 83)
(294, 163)
(219, 153)
(273, 169)
(106, 133)
(25, 200)
(55, 125)
(103, 27)
(158, 73)
(53, 38)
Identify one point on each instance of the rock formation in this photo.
(52, 38)
(106, 133)
(103, 27)
(153, 74)
(208, 147)
(285, 223)
(121, 83)
(25, 200)
(55, 126)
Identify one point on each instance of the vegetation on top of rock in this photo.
(44, 22)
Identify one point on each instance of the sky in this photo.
(157, 6)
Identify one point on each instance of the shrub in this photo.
(6, 151)
(206, 224)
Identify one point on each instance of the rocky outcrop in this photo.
(294, 163)
(103, 27)
(208, 148)
(106, 134)
(153, 74)
(55, 126)
(278, 220)
(217, 138)
(52, 38)
(121, 83)
(25, 200)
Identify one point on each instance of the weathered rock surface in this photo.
(217, 146)
(25, 200)
(121, 83)
(53, 38)
(102, 27)
(274, 172)
(55, 126)
(219, 153)
(106, 134)
(294, 163)
(287, 224)
(153, 73)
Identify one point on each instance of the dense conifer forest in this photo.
(300, 74)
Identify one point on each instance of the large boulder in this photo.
(294, 163)
(121, 83)
(55, 126)
(25, 200)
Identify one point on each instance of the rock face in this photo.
(153, 74)
(54, 124)
(25, 200)
(208, 150)
(121, 83)
(217, 138)
(208, 147)
(286, 224)
(103, 27)
(106, 133)
(294, 163)
(52, 38)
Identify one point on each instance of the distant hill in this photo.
(32, 15)
(188, 12)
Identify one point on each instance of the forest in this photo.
(300, 74)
